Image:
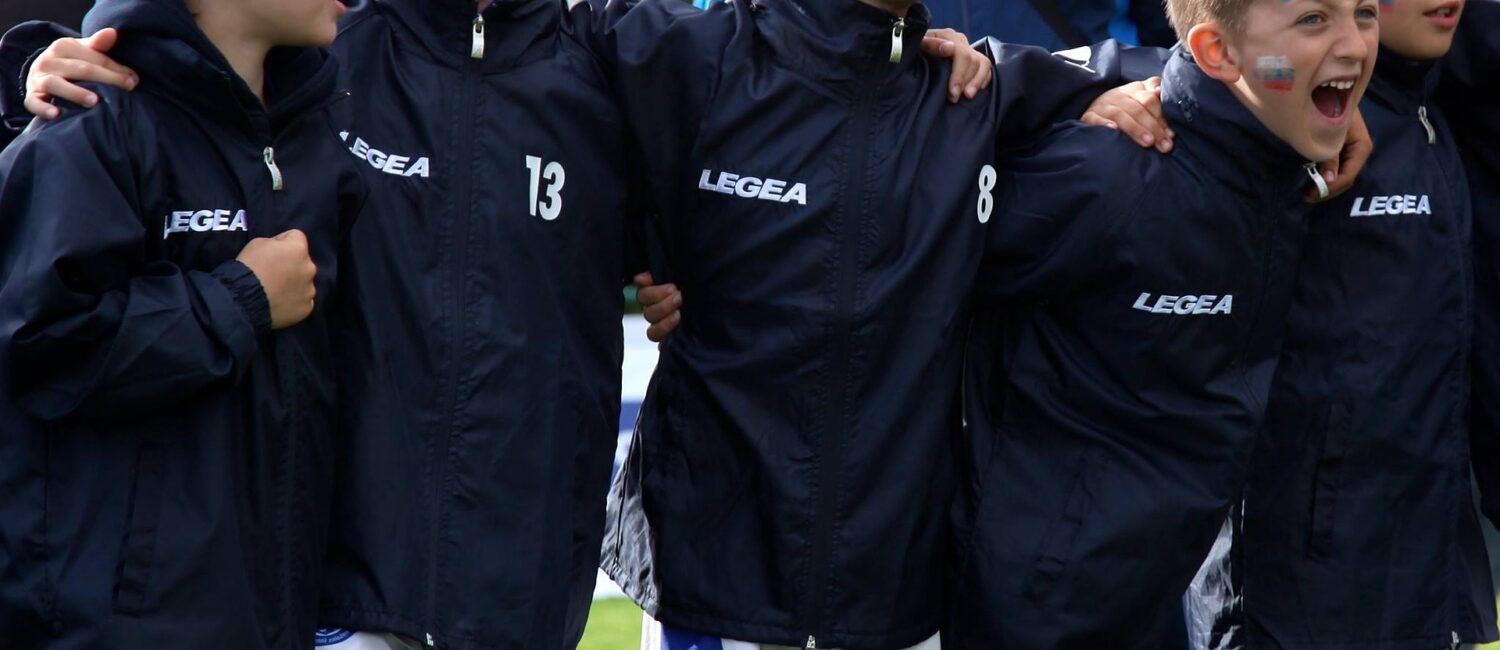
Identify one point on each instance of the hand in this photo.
(972, 70)
(1135, 110)
(662, 305)
(1341, 172)
(56, 72)
(286, 272)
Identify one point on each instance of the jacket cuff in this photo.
(248, 294)
(19, 48)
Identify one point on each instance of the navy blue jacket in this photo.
(1358, 527)
(1468, 94)
(480, 343)
(166, 456)
(1117, 374)
(823, 209)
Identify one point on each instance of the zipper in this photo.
(269, 155)
(1454, 645)
(1431, 133)
(898, 29)
(458, 238)
(476, 45)
(1312, 171)
(831, 445)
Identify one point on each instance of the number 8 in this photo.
(987, 178)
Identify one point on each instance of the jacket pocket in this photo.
(1061, 539)
(1327, 478)
(132, 576)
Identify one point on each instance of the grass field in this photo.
(614, 624)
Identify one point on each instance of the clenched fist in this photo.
(286, 272)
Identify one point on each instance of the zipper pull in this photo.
(1456, 641)
(476, 47)
(270, 158)
(430, 642)
(897, 45)
(1312, 170)
(1422, 115)
(812, 644)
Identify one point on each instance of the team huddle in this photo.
(310, 327)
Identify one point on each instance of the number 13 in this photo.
(556, 177)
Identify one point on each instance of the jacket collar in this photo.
(842, 40)
(512, 30)
(1231, 143)
(160, 40)
(1403, 84)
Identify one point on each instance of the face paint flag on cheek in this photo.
(1387, 6)
(1276, 72)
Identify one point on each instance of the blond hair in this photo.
(1187, 14)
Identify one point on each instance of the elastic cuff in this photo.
(248, 294)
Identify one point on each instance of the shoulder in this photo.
(1077, 166)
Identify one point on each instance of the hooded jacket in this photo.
(1118, 370)
(822, 207)
(166, 457)
(1358, 527)
(479, 344)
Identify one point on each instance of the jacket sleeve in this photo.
(1035, 89)
(662, 59)
(18, 48)
(1058, 212)
(94, 328)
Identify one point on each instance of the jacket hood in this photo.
(161, 41)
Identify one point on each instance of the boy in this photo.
(791, 467)
(1116, 382)
(1357, 524)
(167, 386)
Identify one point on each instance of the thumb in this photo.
(103, 40)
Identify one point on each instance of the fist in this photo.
(286, 273)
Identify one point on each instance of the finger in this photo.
(39, 107)
(960, 77)
(938, 47)
(643, 279)
(101, 71)
(103, 40)
(292, 235)
(654, 294)
(1136, 124)
(984, 73)
(660, 311)
(659, 331)
(1093, 118)
(59, 88)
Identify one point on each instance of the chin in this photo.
(1321, 149)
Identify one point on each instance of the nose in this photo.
(1350, 44)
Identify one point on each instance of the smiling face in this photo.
(1300, 66)
(1419, 29)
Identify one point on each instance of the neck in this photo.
(481, 5)
(897, 7)
(245, 53)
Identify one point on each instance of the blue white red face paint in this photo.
(1275, 73)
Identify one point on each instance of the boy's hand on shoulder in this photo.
(59, 69)
(286, 272)
(972, 70)
(1340, 174)
(1135, 110)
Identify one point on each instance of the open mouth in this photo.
(1332, 97)
(1446, 15)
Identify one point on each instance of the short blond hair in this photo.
(1187, 14)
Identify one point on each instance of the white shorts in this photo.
(654, 636)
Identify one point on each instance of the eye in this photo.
(1312, 19)
(1367, 13)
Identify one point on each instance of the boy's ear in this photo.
(1211, 50)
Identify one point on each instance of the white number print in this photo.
(987, 178)
(556, 177)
